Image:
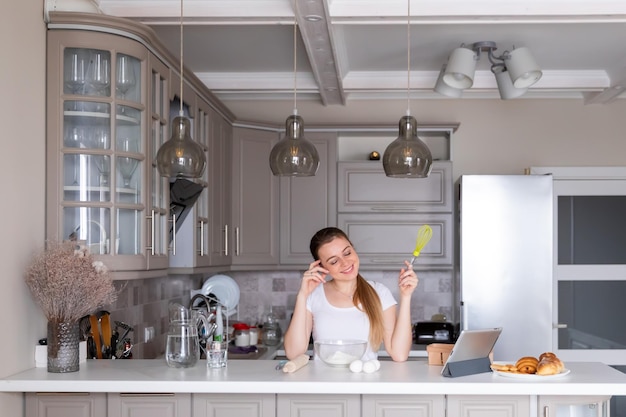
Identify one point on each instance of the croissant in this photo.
(546, 355)
(527, 364)
(549, 366)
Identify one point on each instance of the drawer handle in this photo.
(386, 261)
(391, 208)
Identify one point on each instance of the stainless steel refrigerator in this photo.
(506, 260)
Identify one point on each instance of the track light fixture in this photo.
(514, 71)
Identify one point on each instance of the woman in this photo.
(348, 306)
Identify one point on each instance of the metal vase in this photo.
(63, 346)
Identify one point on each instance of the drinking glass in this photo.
(125, 164)
(104, 168)
(75, 137)
(125, 75)
(76, 74)
(100, 138)
(216, 354)
(99, 73)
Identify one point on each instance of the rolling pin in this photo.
(297, 363)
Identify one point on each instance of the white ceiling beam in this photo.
(314, 25)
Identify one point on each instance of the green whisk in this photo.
(423, 237)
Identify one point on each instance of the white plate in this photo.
(224, 288)
(532, 377)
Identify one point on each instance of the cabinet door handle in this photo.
(152, 238)
(546, 411)
(173, 234)
(201, 237)
(384, 261)
(391, 208)
(236, 241)
(559, 326)
(226, 240)
(151, 247)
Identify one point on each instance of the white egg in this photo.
(369, 367)
(377, 363)
(356, 366)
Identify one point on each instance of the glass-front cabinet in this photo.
(108, 107)
(589, 259)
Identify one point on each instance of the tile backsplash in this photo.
(144, 303)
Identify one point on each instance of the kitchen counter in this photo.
(260, 376)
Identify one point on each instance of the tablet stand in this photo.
(468, 367)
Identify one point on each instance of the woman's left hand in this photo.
(407, 280)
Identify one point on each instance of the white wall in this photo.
(22, 117)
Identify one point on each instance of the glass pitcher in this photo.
(183, 343)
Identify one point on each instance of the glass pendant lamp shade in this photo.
(523, 68)
(294, 156)
(180, 156)
(460, 69)
(407, 156)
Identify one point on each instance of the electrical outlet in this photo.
(148, 333)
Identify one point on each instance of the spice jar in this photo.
(254, 336)
(241, 334)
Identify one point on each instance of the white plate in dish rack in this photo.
(224, 288)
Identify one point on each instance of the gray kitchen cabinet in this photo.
(293, 405)
(584, 406)
(255, 202)
(308, 204)
(489, 405)
(364, 188)
(403, 405)
(61, 404)
(191, 244)
(234, 405)
(103, 130)
(148, 405)
(382, 215)
(220, 198)
(384, 240)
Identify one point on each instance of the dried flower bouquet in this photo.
(68, 283)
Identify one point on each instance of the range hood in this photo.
(183, 195)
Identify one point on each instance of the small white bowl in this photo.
(339, 353)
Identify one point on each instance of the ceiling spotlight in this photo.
(460, 69)
(522, 67)
(515, 71)
(505, 86)
(442, 88)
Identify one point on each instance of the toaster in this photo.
(427, 332)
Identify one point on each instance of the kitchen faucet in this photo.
(205, 334)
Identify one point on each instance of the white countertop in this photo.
(260, 376)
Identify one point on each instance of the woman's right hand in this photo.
(313, 277)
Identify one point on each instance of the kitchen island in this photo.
(258, 380)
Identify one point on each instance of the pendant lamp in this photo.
(407, 156)
(180, 156)
(294, 156)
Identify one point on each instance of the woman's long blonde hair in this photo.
(365, 297)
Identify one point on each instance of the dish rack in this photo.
(215, 311)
